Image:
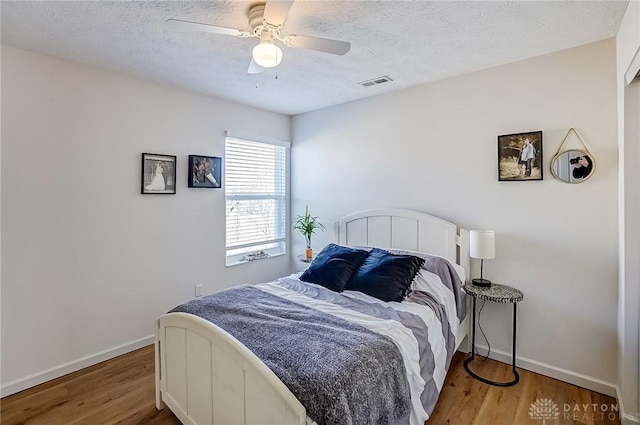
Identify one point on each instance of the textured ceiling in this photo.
(413, 42)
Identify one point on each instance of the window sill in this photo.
(239, 262)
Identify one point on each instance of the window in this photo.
(256, 199)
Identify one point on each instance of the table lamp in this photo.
(482, 247)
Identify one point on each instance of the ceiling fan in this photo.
(266, 21)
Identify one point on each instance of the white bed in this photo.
(206, 376)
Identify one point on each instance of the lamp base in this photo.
(485, 283)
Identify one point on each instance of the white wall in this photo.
(89, 262)
(433, 148)
(628, 45)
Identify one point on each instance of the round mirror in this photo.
(573, 166)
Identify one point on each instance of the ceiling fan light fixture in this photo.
(267, 54)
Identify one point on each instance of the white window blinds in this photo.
(256, 197)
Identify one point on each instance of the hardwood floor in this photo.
(118, 391)
(467, 401)
(121, 391)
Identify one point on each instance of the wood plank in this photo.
(121, 391)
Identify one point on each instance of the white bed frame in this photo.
(206, 376)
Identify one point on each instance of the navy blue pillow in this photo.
(386, 276)
(334, 266)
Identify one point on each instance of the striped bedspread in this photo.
(348, 357)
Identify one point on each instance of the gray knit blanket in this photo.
(328, 363)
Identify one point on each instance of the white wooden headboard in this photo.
(405, 229)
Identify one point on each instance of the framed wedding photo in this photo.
(158, 174)
(520, 156)
(205, 171)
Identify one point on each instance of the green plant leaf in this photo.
(307, 225)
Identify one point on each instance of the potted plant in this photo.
(307, 224)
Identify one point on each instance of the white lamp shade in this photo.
(267, 54)
(482, 244)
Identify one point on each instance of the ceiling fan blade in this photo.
(275, 11)
(198, 27)
(254, 68)
(320, 44)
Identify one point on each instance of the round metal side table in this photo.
(499, 294)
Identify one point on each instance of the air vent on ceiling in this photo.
(375, 81)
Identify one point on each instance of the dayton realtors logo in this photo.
(546, 409)
(590, 412)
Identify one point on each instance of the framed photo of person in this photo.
(158, 174)
(205, 171)
(520, 156)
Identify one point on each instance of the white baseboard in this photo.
(629, 419)
(66, 368)
(626, 418)
(565, 375)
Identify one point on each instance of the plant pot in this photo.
(308, 253)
